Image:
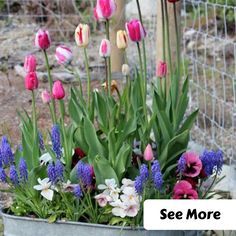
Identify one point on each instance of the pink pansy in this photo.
(58, 90)
(30, 63)
(184, 190)
(105, 9)
(102, 199)
(63, 55)
(42, 39)
(135, 30)
(193, 164)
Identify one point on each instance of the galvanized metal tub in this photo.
(24, 226)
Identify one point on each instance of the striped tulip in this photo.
(42, 39)
(82, 35)
(122, 39)
(63, 55)
(135, 30)
(105, 9)
(105, 48)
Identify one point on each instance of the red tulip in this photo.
(42, 39)
(161, 69)
(184, 190)
(31, 81)
(105, 9)
(30, 63)
(173, 1)
(58, 90)
(135, 30)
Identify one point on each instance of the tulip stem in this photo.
(52, 104)
(168, 38)
(66, 154)
(143, 43)
(177, 45)
(89, 77)
(34, 117)
(143, 89)
(106, 69)
(107, 26)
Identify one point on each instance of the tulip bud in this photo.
(135, 30)
(148, 153)
(82, 35)
(105, 9)
(30, 63)
(161, 69)
(31, 81)
(122, 39)
(105, 48)
(42, 39)
(95, 14)
(63, 55)
(125, 69)
(46, 97)
(58, 90)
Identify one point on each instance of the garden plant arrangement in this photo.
(115, 151)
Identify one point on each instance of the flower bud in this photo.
(105, 9)
(82, 35)
(148, 153)
(31, 81)
(122, 39)
(135, 30)
(42, 39)
(161, 69)
(125, 69)
(46, 97)
(63, 55)
(58, 90)
(105, 48)
(30, 63)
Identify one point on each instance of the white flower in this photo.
(127, 183)
(44, 187)
(123, 209)
(110, 189)
(130, 196)
(68, 186)
(102, 199)
(45, 158)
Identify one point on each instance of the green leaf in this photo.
(52, 219)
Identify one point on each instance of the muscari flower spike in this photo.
(52, 173)
(6, 152)
(78, 192)
(41, 142)
(212, 162)
(56, 141)
(59, 169)
(181, 164)
(23, 170)
(84, 173)
(156, 175)
(141, 179)
(14, 175)
(3, 176)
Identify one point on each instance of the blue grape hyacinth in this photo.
(84, 173)
(6, 152)
(78, 191)
(56, 141)
(23, 170)
(14, 175)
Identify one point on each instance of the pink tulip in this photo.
(30, 63)
(105, 48)
(63, 55)
(161, 69)
(135, 30)
(105, 9)
(184, 190)
(58, 90)
(46, 97)
(148, 153)
(193, 164)
(42, 39)
(31, 81)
